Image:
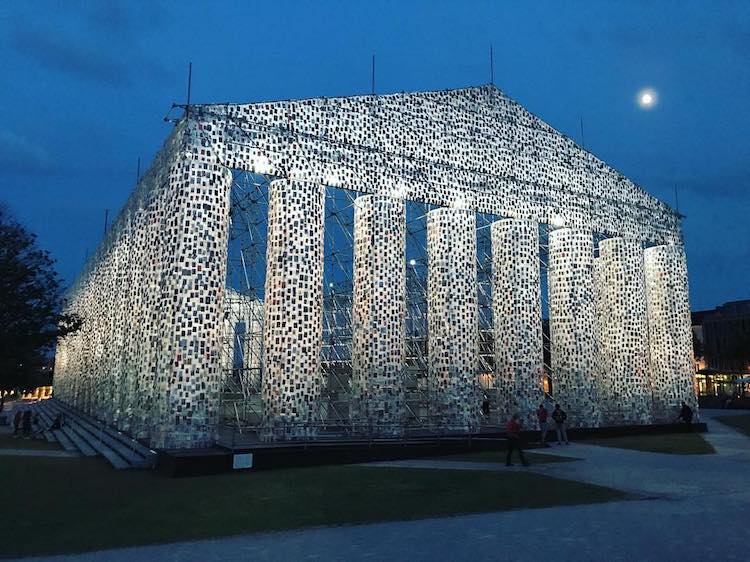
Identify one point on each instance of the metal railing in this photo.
(341, 430)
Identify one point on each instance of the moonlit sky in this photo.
(647, 98)
(85, 86)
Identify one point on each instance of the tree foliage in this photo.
(30, 304)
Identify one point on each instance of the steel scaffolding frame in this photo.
(242, 348)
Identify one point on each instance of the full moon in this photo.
(647, 98)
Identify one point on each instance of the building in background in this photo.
(721, 345)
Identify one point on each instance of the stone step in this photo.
(85, 449)
(66, 443)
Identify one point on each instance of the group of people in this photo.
(559, 417)
(24, 421)
(513, 431)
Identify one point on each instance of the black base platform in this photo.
(264, 456)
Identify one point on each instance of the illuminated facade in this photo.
(670, 335)
(624, 383)
(452, 317)
(379, 314)
(151, 356)
(575, 361)
(517, 312)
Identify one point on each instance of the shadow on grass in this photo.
(76, 505)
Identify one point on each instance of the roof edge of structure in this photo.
(487, 87)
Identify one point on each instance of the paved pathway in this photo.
(638, 472)
(37, 453)
(698, 512)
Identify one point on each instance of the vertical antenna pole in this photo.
(190, 84)
(373, 74)
(138, 172)
(106, 220)
(676, 200)
(583, 141)
(492, 66)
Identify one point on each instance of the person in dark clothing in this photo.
(541, 416)
(559, 416)
(17, 421)
(686, 415)
(485, 406)
(26, 422)
(57, 423)
(513, 433)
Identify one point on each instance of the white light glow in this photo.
(399, 191)
(556, 221)
(647, 98)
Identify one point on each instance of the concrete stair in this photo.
(91, 437)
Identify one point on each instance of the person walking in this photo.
(541, 416)
(559, 416)
(26, 422)
(513, 433)
(686, 415)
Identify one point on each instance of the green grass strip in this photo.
(75, 505)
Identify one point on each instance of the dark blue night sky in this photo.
(85, 86)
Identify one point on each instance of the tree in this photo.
(30, 306)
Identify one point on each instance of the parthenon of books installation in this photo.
(489, 181)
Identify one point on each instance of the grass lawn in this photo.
(674, 443)
(74, 505)
(7, 441)
(740, 423)
(499, 456)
